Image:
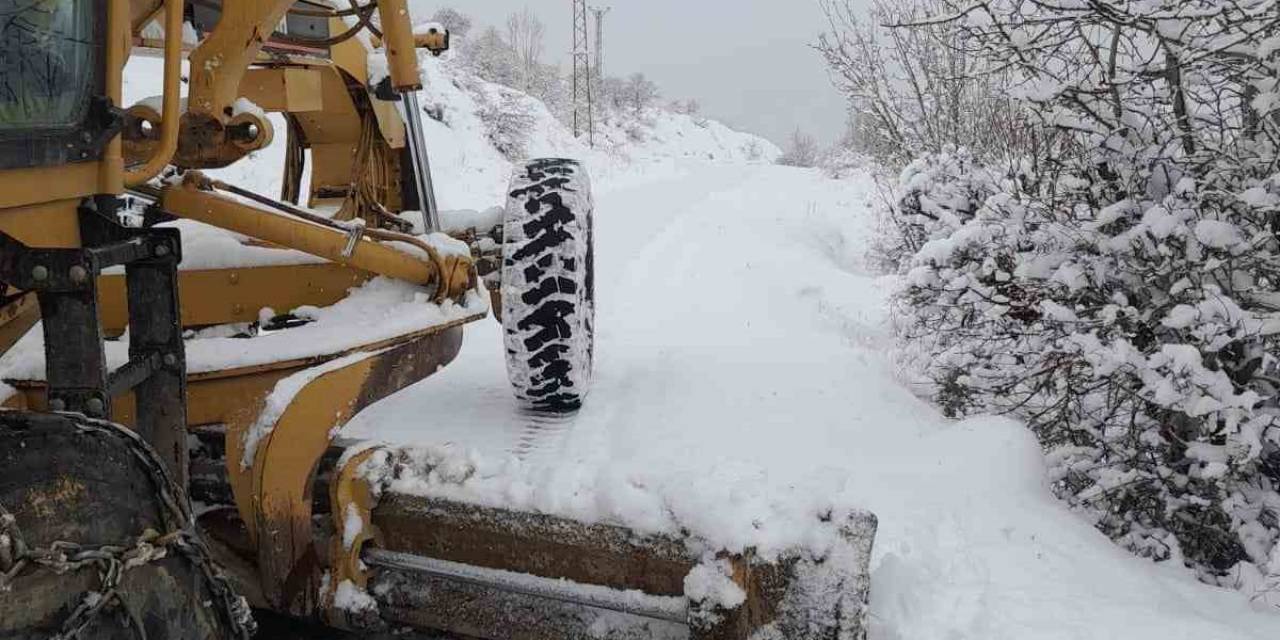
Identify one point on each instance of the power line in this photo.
(583, 122)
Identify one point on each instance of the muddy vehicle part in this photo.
(97, 541)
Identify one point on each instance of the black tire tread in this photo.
(548, 286)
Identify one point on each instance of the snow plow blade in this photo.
(506, 575)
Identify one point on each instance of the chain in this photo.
(114, 561)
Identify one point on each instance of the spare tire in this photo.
(89, 491)
(548, 285)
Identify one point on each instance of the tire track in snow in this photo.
(543, 436)
(633, 219)
(541, 432)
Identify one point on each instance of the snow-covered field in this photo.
(742, 358)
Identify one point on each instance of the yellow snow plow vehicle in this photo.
(144, 372)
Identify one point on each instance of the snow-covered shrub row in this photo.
(1138, 340)
(1119, 294)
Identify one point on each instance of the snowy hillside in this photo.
(472, 172)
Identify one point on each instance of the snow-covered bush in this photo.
(490, 58)
(507, 124)
(933, 196)
(685, 107)
(637, 93)
(1120, 292)
(802, 151)
(840, 162)
(1136, 339)
(613, 94)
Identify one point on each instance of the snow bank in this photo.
(659, 134)
(730, 514)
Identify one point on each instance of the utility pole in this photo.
(600, 13)
(582, 106)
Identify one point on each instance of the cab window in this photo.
(47, 50)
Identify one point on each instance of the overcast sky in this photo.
(747, 61)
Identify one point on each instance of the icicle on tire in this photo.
(548, 285)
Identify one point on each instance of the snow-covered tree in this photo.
(491, 58)
(917, 88)
(638, 93)
(802, 151)
(512, 57)
(1118, 290)
(614, 94)
(689, 107)
(551, 86)
(526, 35)
(458, 24)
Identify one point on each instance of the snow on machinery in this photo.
(242, 411)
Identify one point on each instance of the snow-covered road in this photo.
(743, 360)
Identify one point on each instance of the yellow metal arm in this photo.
(399, 43)
(214, 132)
(220, 62)
(189, 201)
(163, 153)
